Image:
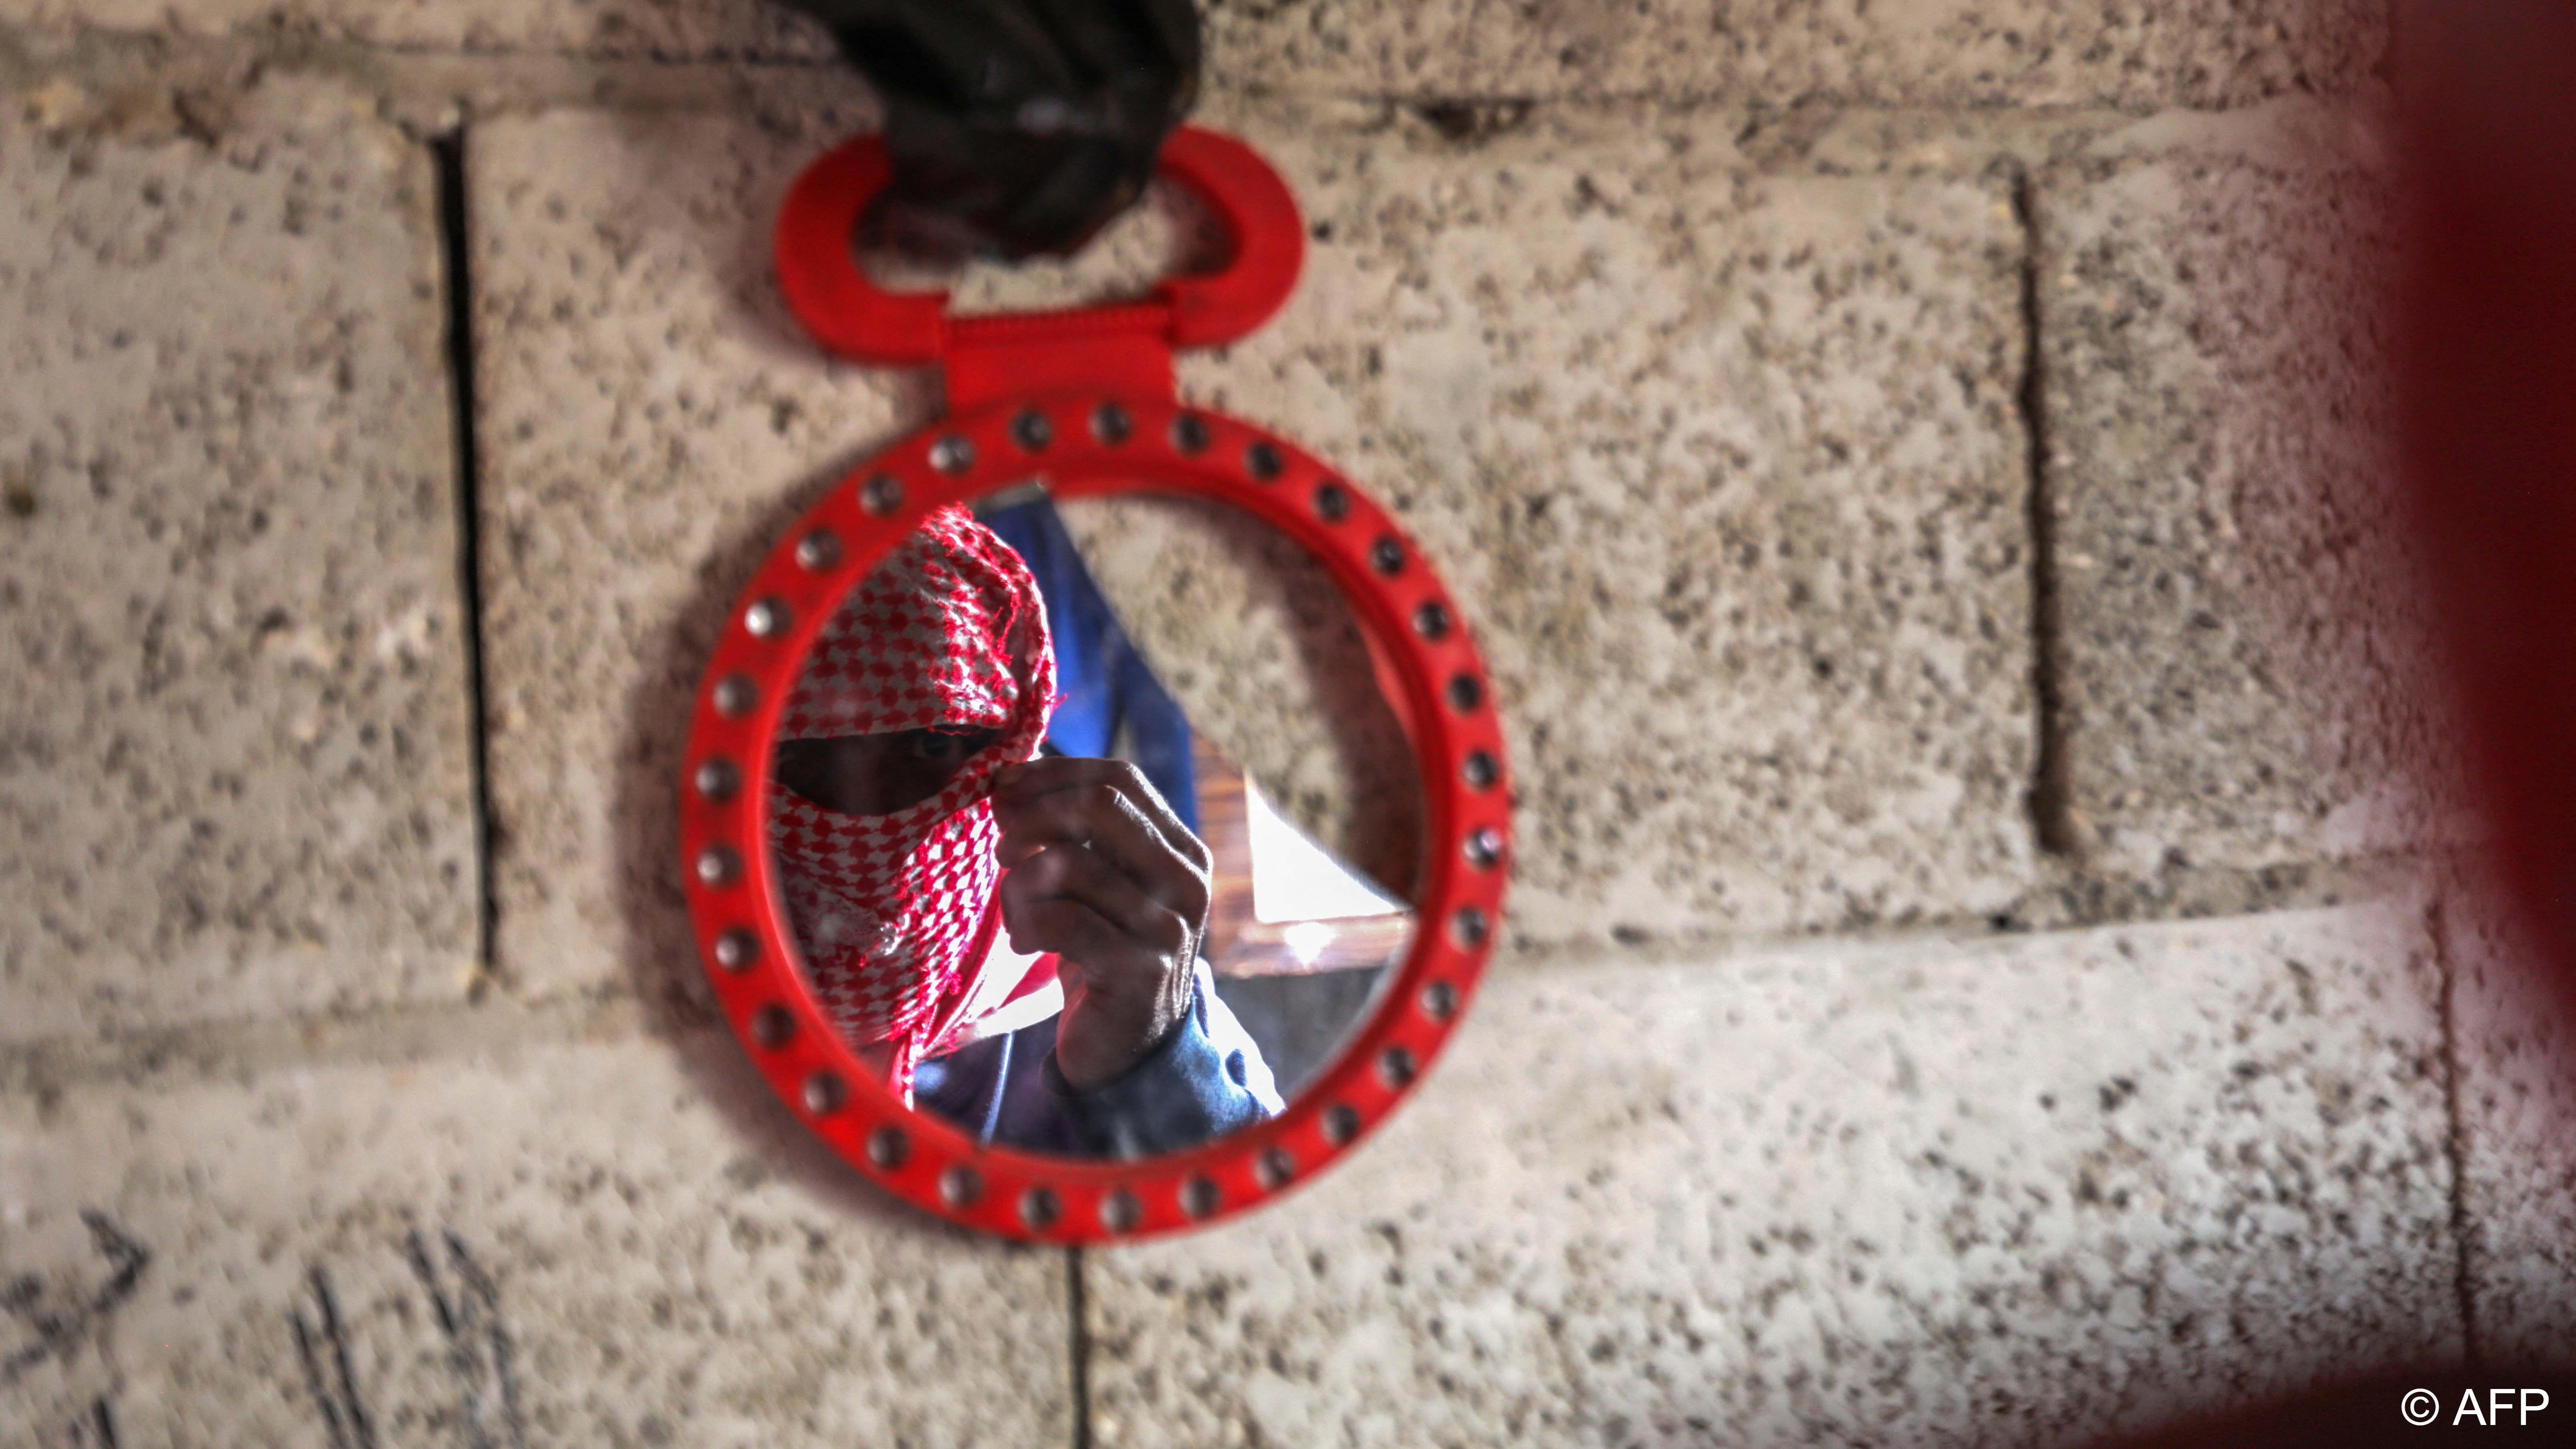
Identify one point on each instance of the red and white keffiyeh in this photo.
(895, 913)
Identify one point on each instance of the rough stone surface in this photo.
(2514, 1021)
(2242, 643)
(2014, 1192)
(1708, 414)
(619, 1242)
(1725, 471)
(235, 775)
(2205, 53)
(652, 420)
(1924, 52)
(654, 29)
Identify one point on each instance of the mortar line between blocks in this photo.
(2052, 811)
(425, 1031)
(2455, 1131)
(1078, 1347)
(456, 248)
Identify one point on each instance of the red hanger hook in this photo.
(848, 314)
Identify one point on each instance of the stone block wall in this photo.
(1987, 962)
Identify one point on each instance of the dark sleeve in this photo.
(1190, 1090)
(1206, 1080)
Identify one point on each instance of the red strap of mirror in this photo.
(1123, 347)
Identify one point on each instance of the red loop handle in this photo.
(854, 317)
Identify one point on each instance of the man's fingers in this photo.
(1022, 784)
(1133, 931)
(1097, 869)
(1105, 821)
(1073, 931)
(1120, 996)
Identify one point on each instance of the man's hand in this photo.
(1024, 124)
(1100, 871)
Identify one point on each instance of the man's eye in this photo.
(937, 748)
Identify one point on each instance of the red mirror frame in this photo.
(1122, 433)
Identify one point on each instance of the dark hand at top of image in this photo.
(1097, 869)
(1022, 126)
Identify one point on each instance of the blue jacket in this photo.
(1207, 1079)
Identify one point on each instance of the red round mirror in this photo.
(951, 1047)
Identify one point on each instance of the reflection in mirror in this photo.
(1040, 897)
(1255, 639)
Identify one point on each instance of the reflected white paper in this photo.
(1294, 880)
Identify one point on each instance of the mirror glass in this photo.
(1097, 832)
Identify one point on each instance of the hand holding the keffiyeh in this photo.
(1098, 870)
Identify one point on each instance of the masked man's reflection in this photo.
(1009, 941)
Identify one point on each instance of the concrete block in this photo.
(651, 421)
(1724, 468)
(2514, 1017)
(1948, 53)
(639, 29)
(2019, 1191)
(616, 1241)
(235, 775)
(2244, 678)
(1919, 52)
